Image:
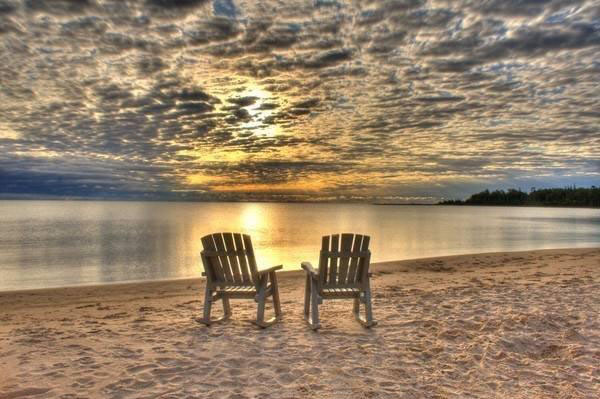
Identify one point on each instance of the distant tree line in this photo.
(570, 196)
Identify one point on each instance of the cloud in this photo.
(342, 99)
(150, 65)
(176, 4)
(59, 7)
(7, 7)
(522, 8)
(327, 58)
(211, 30)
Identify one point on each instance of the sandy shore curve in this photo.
(496, 325)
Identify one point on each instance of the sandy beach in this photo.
(498, 325)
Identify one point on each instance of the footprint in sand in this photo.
(119, 315)
(24, 393)
(140, 368)
(127, 353)
(127, 385)
(83, 383)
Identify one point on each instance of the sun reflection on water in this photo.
(253, 217)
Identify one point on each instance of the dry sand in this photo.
(501, 325)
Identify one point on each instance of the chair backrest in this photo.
(344, 263)
(228, 259)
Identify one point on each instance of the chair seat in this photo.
(237, 288)
(238, 291)
(340, 292)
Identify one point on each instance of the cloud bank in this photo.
(389, 101)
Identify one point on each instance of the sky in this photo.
(407, 101)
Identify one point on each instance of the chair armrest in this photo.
(309, 269)
(270, 269)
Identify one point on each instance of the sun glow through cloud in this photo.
(259, 114)
(8, 133)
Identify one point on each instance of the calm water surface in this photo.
(60, 243)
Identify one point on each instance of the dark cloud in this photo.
(59, 7)
(117, 42)
(213, 29)
(150, 65)
(276, 37)
(387, 42)
(176, 3)
(84, 26)
(193, 95)
(438, 99)
(7, 25)
(327, 58)
(7, 7)
(268, 106)
(450, 47)
(522, 8)
(532, 42)
(237, 115)
(112, 92)
(425, 18)
(243, 101)
(195, 107)
(310, 103)
(344, 71)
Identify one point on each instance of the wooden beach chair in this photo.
(231, 273)
(343, 273)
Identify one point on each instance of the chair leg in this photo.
(369, 309)
(307, 298)
(314, 320)
(208, 301)
(368, 321)
(226, 306)
(207, 306)
(275, 291)
(261, 299)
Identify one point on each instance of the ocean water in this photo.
(63, 243)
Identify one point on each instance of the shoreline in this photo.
(502, 324)
(280, 273)
(292, 202)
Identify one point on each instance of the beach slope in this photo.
(498, 325)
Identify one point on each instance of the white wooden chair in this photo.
(231, 273)
(343, 273)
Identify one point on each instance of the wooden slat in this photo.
(345, 260)
(237, 237)
(214, 262)
(340, 293)
(233, 260)
(354, 260)
(363, 263)
(238, 288)
(333, 265)
(323, 260)
(249, 294)
(220, 244)
(251, 259)
(345, 254)
(342, 286)
(224, 253)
